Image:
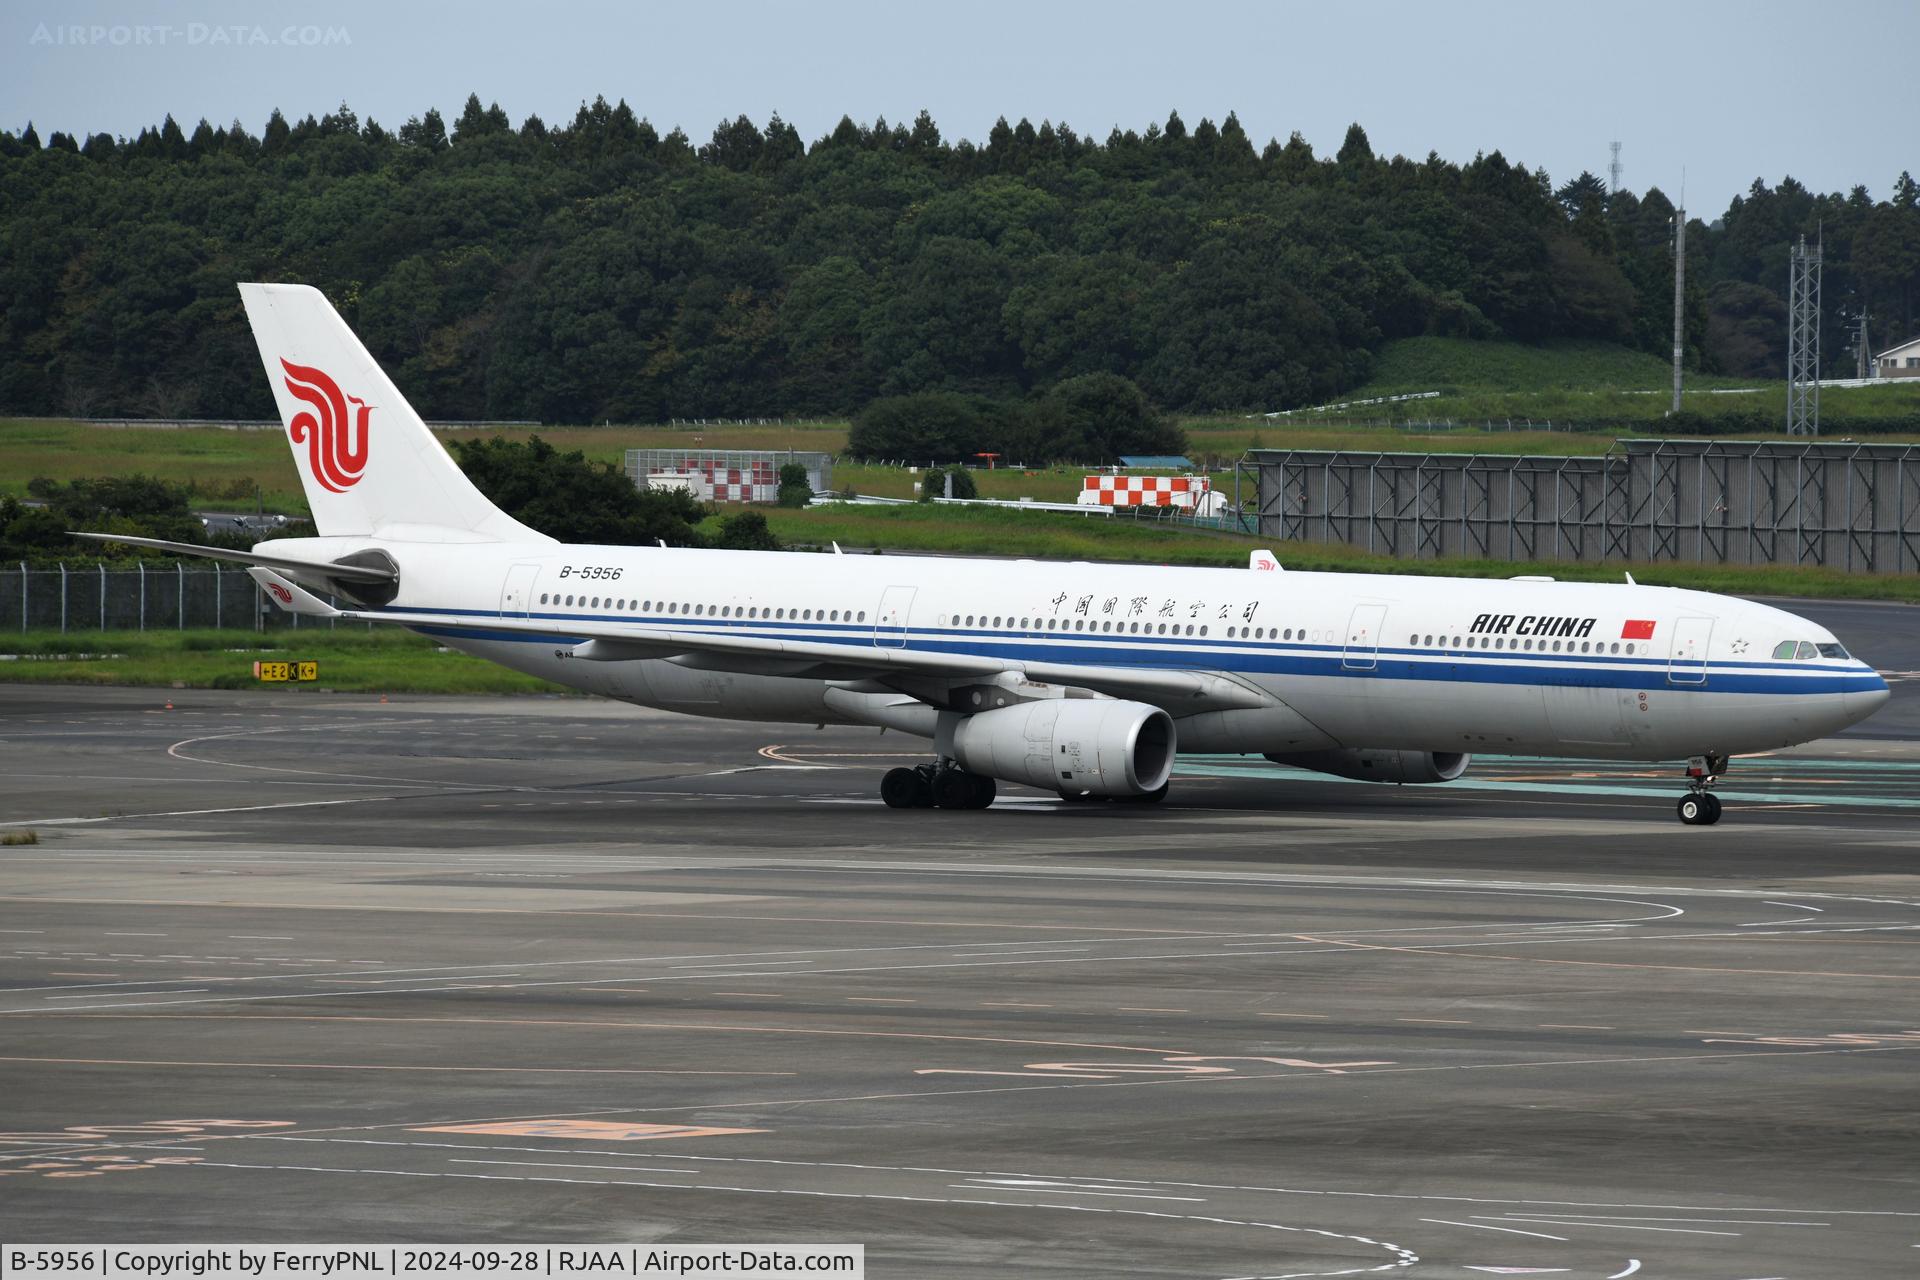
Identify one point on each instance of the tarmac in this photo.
(306, 967)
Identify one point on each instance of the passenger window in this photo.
(862, 617)
(1629, 650)
(1203, 631)
(1806, 651)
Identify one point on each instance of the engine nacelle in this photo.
(1099, 745)
(1369, 765)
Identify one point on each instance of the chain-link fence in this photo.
(93, 597)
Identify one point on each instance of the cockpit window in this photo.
(1783, 650)
(1806, 651)
(1833, 651)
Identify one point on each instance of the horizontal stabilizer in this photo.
(290, 595)
(348, 572)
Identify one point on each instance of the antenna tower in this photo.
(1803, 340)
(1614, 170)
(1679, 299)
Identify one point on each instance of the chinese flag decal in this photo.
(1637, 629)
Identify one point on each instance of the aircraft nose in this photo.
(1861, 703)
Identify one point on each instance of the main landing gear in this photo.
(1700, 807)
(936, 786)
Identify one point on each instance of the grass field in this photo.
(1589, 382)
(948, 530)
(351, 661)
(224, 466)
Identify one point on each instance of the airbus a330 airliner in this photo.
(1082, 679)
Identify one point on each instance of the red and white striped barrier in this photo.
(715, 482)
(1143, 491)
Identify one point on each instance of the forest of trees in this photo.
(602, 270)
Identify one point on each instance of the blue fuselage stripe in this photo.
(1247, 657)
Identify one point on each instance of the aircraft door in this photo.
(1363, 637)
(1687, 661)
(517, 595)
(890, 619)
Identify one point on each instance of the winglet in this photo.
(1263, 559)
(1630, 581)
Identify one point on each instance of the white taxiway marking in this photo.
(1481, 1226)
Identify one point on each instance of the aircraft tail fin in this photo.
(368, 462)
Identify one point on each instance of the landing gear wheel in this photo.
(984, 790)
(953, 789)
(905, 789)
(1701, 809)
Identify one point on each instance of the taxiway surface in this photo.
(298, 966)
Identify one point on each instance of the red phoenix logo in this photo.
(336, 442)
(280, 593)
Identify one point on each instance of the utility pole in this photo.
(1803, 340)
(1679, 300)
(1860, 357)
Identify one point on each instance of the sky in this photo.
(1721, 92)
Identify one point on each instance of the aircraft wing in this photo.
(1179, 692)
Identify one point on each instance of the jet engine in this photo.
(1101, 746)
(1369, 765)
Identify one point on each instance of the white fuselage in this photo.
(1354, 660)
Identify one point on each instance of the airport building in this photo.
(1902, 361)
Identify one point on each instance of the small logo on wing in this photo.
(280, 593)
(336, 440)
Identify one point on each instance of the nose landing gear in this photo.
(1700, 807)
(936, 786)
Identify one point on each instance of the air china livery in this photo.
(1082, 679)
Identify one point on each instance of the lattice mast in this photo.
(1679, 300)
(1803, 340)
